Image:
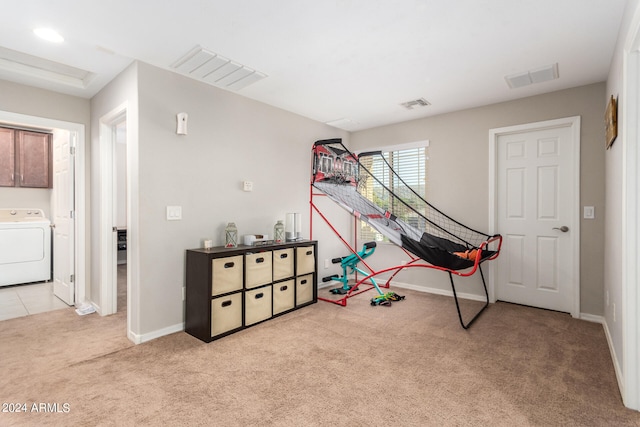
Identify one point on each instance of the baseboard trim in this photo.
(614, 359)
(96, 306)
(437, 291)
(141, 338)
(592, 318)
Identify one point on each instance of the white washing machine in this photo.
(25, 246)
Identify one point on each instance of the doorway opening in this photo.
(114, 261)
(72, 257)
(119, 129)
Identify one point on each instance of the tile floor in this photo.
(22, 300)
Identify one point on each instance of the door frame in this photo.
(80, 238)
(574, 124)
(630, 132)
(108, 238)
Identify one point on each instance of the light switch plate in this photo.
(174, 213)
(589, 212)
(247, 186)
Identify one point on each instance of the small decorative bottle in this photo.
(230, 236)
(278, 232)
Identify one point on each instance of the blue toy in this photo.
(349, 266)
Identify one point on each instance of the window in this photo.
(410, 165)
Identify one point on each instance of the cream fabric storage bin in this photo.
(226, 313)
(258, 269)
(284, 296)
(305, 260)
(257, 305)
(226, 275)
(282, 264)
(304, 289)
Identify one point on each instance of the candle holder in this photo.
(231, 235)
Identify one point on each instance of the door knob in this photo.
(564, 228)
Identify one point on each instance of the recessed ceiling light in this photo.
(49, 35)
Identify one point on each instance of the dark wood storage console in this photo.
(229, 289)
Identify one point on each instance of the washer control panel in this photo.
(20, 214)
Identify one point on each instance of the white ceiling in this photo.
(329, 60)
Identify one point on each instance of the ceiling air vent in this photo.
(210, 67)
(410, 105)
(539, 75)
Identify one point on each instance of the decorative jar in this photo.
(230, 235)
(278, 232)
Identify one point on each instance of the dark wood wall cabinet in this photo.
(229, 289)
(25, 159)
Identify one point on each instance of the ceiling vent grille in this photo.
(539, 75)
(410, 105)
(33, 66)
(212, 68)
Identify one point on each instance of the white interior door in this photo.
(537, 201)
(63, 217)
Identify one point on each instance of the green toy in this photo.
(385, 299)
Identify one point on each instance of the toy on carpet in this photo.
(385, 299)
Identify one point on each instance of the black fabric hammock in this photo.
(363, 184)
(441, 252)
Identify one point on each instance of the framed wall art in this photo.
(611, 122)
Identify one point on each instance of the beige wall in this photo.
(614, 160)
(230, 139)
(32, 101)
(458, 172)
(120, 93)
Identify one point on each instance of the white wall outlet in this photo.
(326, 264)
(247, 186)
(589, 212)
(174, 213)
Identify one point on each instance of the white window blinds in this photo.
(411, 167)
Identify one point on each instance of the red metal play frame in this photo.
(361, 286)
(364, 284)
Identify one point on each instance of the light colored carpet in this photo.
(410, 364)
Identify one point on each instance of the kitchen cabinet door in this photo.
(7, 157)
(34, 153)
